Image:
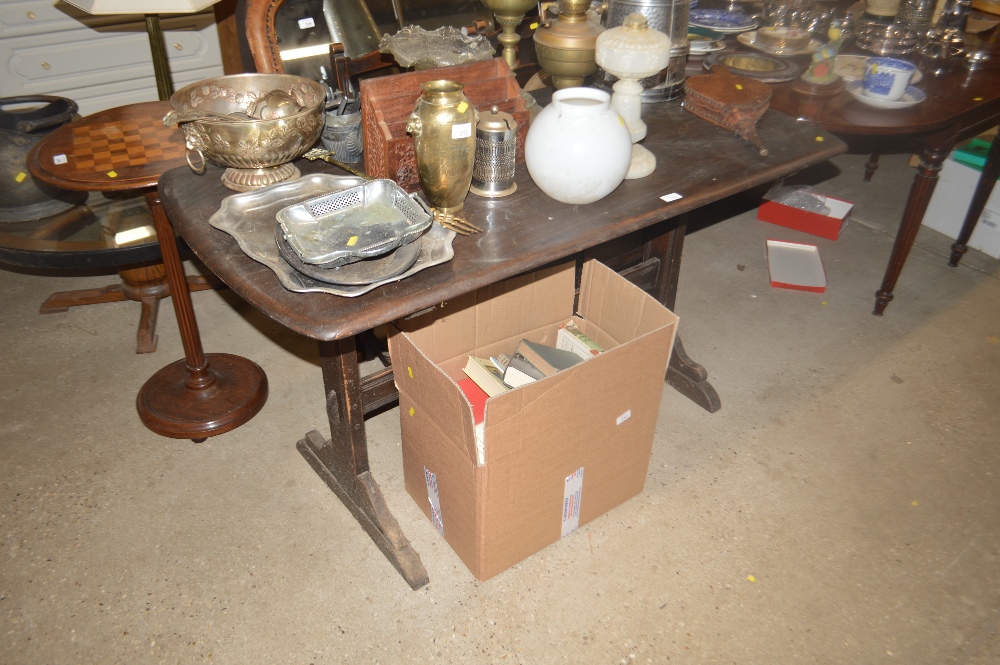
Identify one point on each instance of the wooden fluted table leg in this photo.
(916, 205)
(201, 395)
(980, 197)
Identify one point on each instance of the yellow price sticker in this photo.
(412, 411)
(533, 26)
(819, 139)
(112, 174)
(462, 107)
(739, 87)
(353, 241)
(20, 176)
(409, 370)
(977, 99)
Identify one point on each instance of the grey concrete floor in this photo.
(842, 507)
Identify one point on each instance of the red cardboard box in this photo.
(824, 226)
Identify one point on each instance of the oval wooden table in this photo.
(960, 104)
(128, 149)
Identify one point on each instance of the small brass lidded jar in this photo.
(565, 46)
(442, 125)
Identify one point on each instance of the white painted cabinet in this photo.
(52, 48)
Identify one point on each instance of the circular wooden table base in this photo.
(170, 405)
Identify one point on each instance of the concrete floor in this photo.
(842, 507)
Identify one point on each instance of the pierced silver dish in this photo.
(353, 224)
(250, 218)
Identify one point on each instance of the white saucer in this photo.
(911, 97)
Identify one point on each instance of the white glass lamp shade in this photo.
(141, 6)
(632, 51)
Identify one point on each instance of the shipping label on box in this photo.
(521, 487)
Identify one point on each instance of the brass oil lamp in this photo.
(565, 46)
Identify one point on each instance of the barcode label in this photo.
(461, 131)
(306, 23)
(572, 493)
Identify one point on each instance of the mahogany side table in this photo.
(125, 149)
(119, 150)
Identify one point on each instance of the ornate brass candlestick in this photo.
(509, 14)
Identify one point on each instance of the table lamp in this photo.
(152, 10)
(631, 52)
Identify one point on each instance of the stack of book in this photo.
(530, 362)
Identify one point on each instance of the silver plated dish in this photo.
(750, 39)
(766, 68)
(357, 223)
(251, 219)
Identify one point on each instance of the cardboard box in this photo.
(950, 203)
(824, 226)
(551, 455)
(388, 101)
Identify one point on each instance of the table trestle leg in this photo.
(342, 460)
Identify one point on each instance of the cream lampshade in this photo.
(152, 10)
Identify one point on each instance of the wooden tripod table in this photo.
(124, 149)
(128, 149)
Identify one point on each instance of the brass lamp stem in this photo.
(161, 67)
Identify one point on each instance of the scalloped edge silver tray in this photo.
(250, 219)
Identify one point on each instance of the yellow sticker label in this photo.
(915, 503)
(533, 26)
(751, 578)
(621, 121)
(112, 174)
(20, 176)
(819, 139)
(409, 370)
(462, 107)
(977, 99)
(353, 241)
(739, 87)
(411, 411)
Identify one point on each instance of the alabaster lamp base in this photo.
(643, 163)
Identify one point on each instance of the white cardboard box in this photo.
(950, 203)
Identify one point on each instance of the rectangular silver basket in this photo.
(354, 224)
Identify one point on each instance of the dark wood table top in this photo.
(958, 96)
(696, 160)
(120, 149)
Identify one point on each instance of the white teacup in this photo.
(887, 78)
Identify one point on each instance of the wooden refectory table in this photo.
(698, 163)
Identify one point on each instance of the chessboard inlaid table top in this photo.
(123, 148)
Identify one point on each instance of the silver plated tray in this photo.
(348, 225)
(357, 273)
(251, 217)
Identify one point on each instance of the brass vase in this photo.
(443, 127)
